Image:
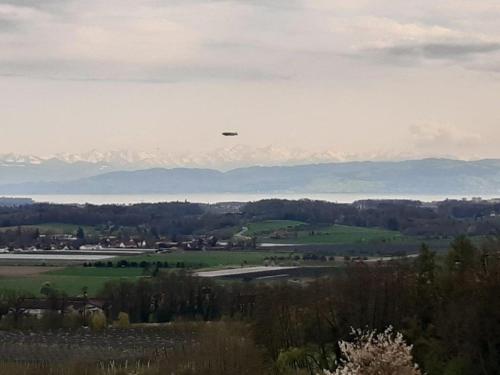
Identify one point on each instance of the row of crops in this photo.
(85, 346)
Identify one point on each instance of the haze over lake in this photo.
(216, 198)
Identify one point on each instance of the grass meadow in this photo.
(296, 232)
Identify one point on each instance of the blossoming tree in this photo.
(372, 353)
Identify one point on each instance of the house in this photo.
(39, 306)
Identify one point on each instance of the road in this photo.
(241, 271)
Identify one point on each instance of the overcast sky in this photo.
(381, 79)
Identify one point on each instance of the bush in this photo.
(372, 354)
(98, 321)
(123, 320)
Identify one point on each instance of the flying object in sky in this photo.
(229, 134)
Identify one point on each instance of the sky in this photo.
(346, 80)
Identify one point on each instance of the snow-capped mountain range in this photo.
(224, 158)
(20, 168)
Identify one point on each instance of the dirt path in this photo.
(241, 232)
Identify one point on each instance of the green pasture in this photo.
(301, 233)
(269, 226)
(341, 234)
(54, 228)
(70, 280)
(208, 259)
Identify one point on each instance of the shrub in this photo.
(123, 320)
(372, 354)
(98, 321)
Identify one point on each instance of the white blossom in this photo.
(372, 353)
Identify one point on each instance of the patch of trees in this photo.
(444, 219)
(309, 211)
(125, 215)
(19, 237)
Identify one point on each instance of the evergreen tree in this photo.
(80, 234)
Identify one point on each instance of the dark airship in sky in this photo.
(229, 134)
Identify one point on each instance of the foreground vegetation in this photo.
(227, 348)
(447, 307)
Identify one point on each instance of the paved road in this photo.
(241, 271)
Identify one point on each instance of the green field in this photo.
(296, 232)
(269, 226)
(208, 259)
(54, 228)
(70, 280)
(341, 234)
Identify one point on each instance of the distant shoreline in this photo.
(226, 197)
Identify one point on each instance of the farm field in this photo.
(209, 259)
(54, 228)
(71, 280)
(340, 234)
(79, 271)
(85, 346)
(296, 232)
(269, 226)
(24, 271)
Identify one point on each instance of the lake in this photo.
(228, 197)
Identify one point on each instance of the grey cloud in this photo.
(60, 60)
(271, 42)
(23, 14)
(441, 50)
(471, 56)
